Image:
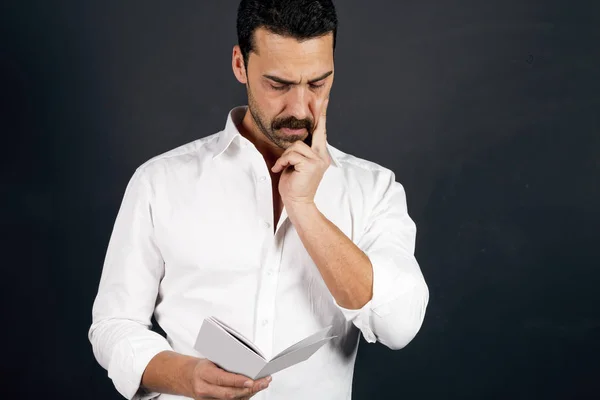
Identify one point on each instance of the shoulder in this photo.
(179, 160)
(374, 185)
(362, 171)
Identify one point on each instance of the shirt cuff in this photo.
(360, 318)
(129, 361)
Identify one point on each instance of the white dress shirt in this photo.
(194, 237)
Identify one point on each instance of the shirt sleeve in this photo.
(120, 334)
(396, 311)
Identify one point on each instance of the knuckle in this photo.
(197, 388)
(201, 392)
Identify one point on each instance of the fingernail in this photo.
(269, 379)
(248, 384)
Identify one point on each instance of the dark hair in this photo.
(299, 19)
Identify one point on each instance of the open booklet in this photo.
(231, 351)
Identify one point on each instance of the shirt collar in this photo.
(231, 133)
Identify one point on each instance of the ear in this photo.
(237, 63)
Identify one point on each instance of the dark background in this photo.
(486, 110)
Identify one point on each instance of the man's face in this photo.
(288, 82)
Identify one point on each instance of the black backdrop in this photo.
(487, 112)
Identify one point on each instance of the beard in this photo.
(271, 129)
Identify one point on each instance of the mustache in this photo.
(293, 123)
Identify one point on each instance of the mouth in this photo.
(290, 132)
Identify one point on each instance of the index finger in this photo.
(319, 139)
(220, 377)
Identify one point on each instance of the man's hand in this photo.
(302, 167)
(208, 381)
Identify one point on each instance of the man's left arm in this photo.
(376, 283)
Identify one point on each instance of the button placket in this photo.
(265, 305)
(264, 199)
(265, 313)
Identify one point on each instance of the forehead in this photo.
(276, 52)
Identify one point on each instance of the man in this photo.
(265, 226)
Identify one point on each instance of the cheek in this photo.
(272, 105)
(263, 96)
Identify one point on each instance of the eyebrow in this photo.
(286, 82)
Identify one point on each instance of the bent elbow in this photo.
(401, 337)
(397, 330)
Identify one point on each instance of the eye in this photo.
(316, 86)
(279, 87)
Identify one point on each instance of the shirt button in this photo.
(262, 178)
(265, 322)
(266, 224)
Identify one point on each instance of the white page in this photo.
(226, 351)
(289, 359)
(238, 335)
(315, 337)
(232, 352)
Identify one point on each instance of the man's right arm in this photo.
(120, 334)
(140, 362)
(170, 372)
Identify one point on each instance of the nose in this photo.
(298, 103)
